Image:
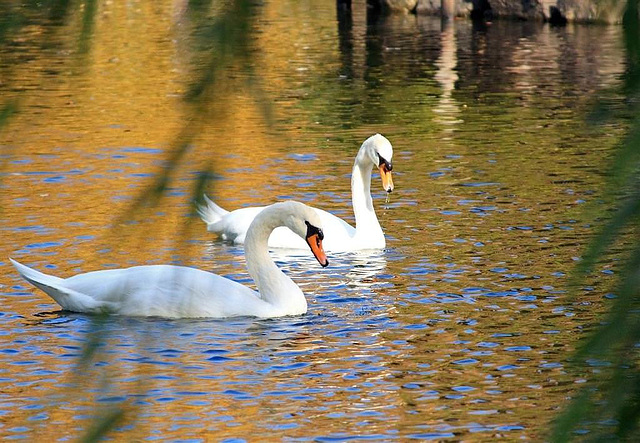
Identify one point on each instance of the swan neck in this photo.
(361, 194)
(274, 286)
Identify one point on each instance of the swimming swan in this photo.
(181, 292)
(375, 151)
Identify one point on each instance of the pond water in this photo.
(461, 329)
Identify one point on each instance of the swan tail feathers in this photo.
(33, 276)
(210, 213)
(67, 298)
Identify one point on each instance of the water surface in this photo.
(460, 329)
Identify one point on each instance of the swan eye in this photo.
(387, 165)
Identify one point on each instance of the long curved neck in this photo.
(274, 286)
(366, 220)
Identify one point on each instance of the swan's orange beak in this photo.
(385, 175)
(315, 243)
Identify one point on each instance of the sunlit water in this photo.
(460, 329)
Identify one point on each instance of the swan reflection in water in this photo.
(365, 266)
(352, 269)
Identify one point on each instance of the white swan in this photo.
(181, 292)
(375, 151)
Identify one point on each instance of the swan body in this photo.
(182, 292)
(341, 236)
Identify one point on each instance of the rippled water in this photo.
(460, 329)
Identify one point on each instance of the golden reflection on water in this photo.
(462, 327)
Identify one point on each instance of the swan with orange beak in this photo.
(184, 292)
(376, 151)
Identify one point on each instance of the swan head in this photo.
(380, 152)
(305, 222)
